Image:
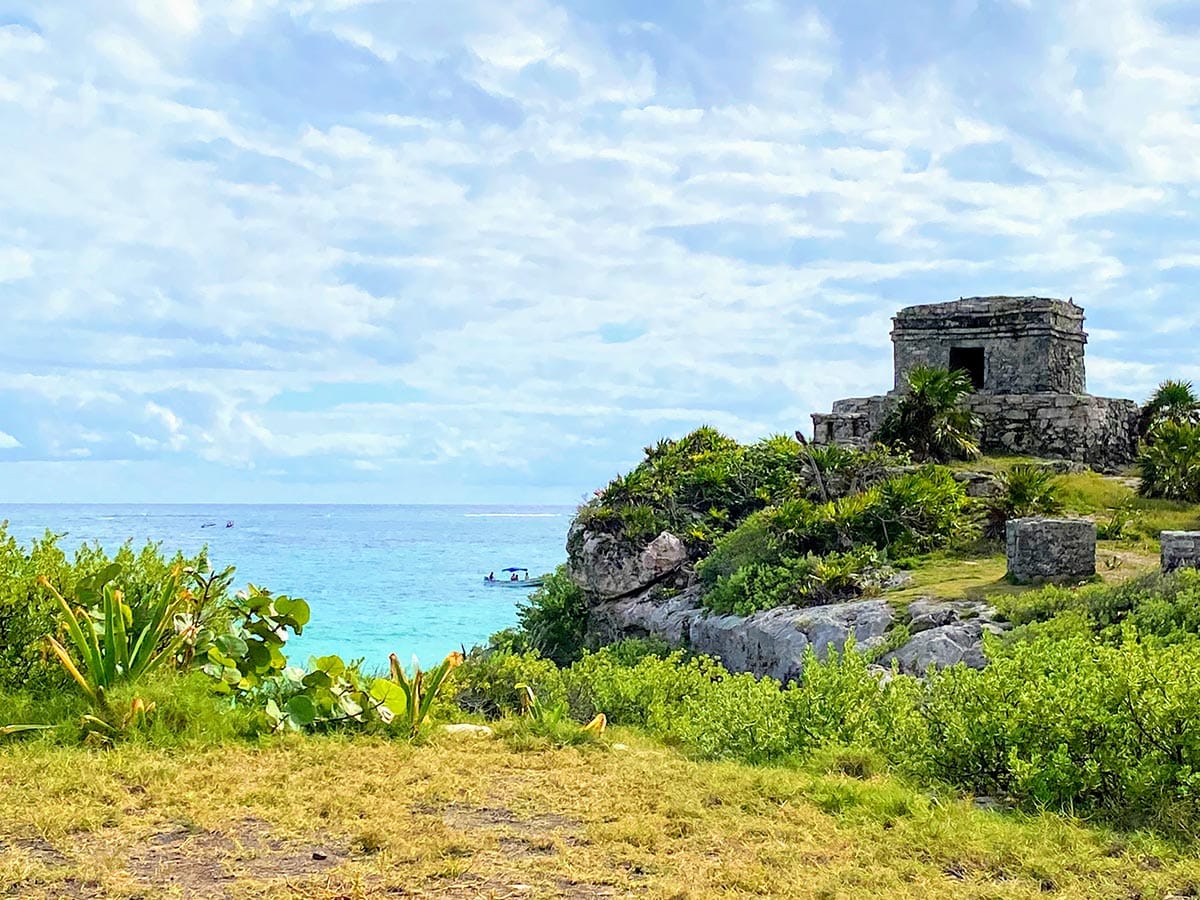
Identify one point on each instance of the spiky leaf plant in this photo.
(1174, 401)
(932, 420)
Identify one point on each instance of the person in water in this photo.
(491, 576)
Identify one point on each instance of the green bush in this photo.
(649, 694)
(1069, 724)
(28, 612)
(1169, 462)
(554, 620)
(1162, 608)
(697, 487)
(803, 553)
(486, 682)
(1066, 724)
(798, 581)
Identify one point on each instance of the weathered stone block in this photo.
(1051, 549)
(1180, 550)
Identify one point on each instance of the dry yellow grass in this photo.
(340, 818)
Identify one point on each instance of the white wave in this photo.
(513, 515)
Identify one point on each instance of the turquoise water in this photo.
(380, 579)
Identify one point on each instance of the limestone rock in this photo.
(465, 729)
(977, 484)
(945, 633)
(772, 642)
(607, 568)
(926, 613)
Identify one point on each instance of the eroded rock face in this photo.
(945, 633)
(774, 642)
(606, 568)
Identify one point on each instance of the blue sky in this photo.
(345, 251)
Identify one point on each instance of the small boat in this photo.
(516, 576)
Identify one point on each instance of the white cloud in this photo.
(548, 234)
(8, 442)
(177, 15)
(15, 264)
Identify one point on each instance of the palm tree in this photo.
(931, 420)
(1174, 401)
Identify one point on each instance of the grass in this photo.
(332, 817)
(944, 576)
(980, 575)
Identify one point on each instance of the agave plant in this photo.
(409, 698)
(114, 642)
(931, 420)
(1174, 401)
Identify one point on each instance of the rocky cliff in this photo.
(650, 592)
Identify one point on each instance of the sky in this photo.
(476, 252)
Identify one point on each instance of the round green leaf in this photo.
(302, 710)
(232, 646)
(330, 664)
(317, 679)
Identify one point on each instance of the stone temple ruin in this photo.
(1025, 356)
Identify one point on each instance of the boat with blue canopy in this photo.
(514, 576)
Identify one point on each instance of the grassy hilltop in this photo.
(155, 740)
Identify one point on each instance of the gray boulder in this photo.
(606, 568)
(774, 642)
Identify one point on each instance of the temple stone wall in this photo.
(1098, 431)
(1095, 430)
(1027, 356)
(1030, 344)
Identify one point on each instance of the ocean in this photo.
(379, 579)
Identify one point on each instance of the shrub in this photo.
(1169, 462)
(798, 581)
(486, 682)
(1069, 724)
(1024, 490)
(649, 694)
(555, 618)
(1173, 401)
(29, 612)
(920, 511)
(753, 542)
(931, 420)
(698, 487)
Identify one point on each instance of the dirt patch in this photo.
(477, 887)
(469, 817)
(204, 864)
(38, 850)
(520, 847)
(67, 889)
(194, 863)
